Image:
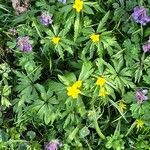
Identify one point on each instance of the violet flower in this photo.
(52, 145)
(141, 95)
(24, 44)
(46, 19)
(146, 47)
(63, 1)
(140, 15)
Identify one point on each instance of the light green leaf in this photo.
(68, 78)
(86, 71)
(76, 27)
(103, 22)
(5, 101)
(73, 134)
(84, 132)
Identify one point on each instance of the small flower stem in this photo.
(131, 128)
(143, 57)
(34, 25)
(98, 129)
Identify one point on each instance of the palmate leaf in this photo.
(43, 106)
(119, 76)
(138, 110)
(131, 52)
(46, 113)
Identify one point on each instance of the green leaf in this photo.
(80, 107)
(42, 91)
(103, 22)
(138, 74)
(73, 134)
(88, 10)
(76, 27)
(3, 136)
(68, 78)
(5, 101)
(146, 79)
(86, 71)
(6, 90)
(31, 134)
(11, 44)
(84, 132)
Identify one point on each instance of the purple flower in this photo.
(141, 95)
(52, 145)
(63, 1)
(24, 44)
(140, 15)
(146, 47)
(46, 19)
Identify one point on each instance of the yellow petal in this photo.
(101, 81)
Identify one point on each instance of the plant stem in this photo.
(97, 128)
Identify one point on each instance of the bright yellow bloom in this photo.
(103, 92)
(122, 105)
(139, 123)
(95, 38)
(101, 81)
(78, 5)
(77, 84)
(55, 40)
(73, 90)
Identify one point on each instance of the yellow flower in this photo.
(95, 38)
(55, 40)
(77, 84)
(101, 81)
(73, 90)
(122, 105)
(139, 123)
(78, 5)
(103, 92)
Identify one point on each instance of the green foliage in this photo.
(73, 87)
(115, 141)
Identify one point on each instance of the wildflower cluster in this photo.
(77, 71)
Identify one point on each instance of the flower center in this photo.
(56, 40)
(95, 37)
